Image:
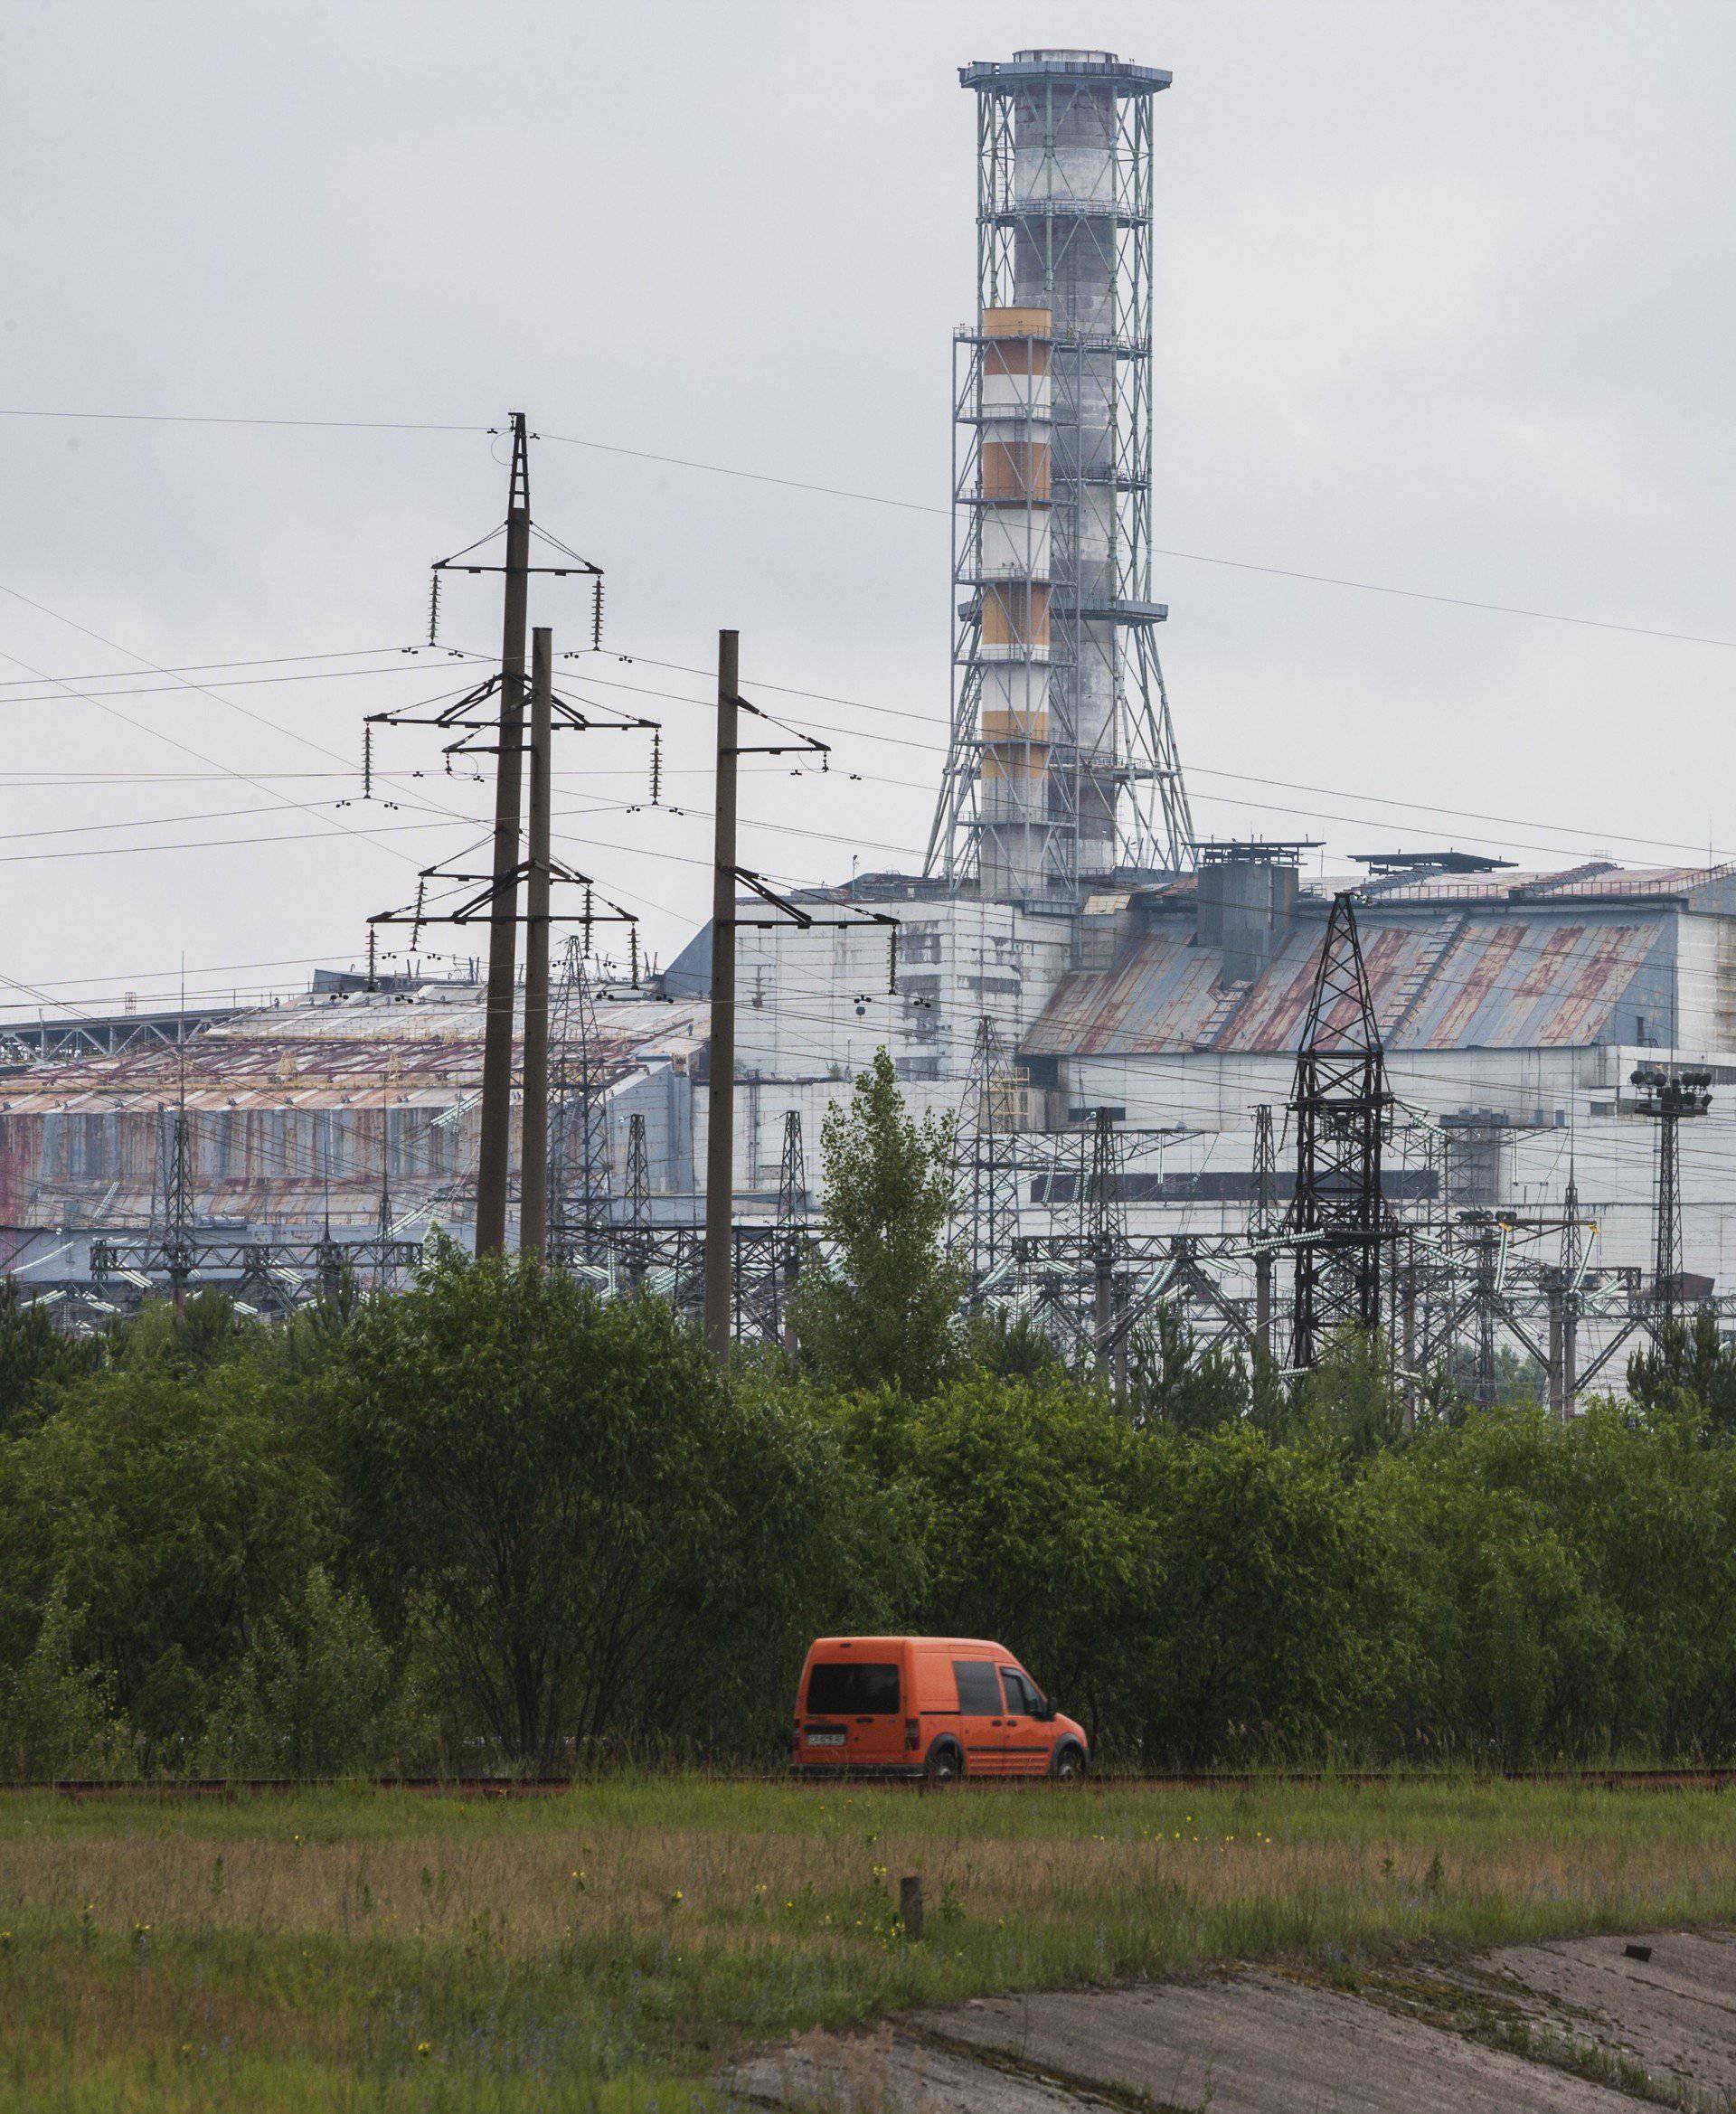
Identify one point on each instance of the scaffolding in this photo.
(1062, 765)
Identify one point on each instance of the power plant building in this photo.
(1067, 911)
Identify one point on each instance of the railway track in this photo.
(230, 1788)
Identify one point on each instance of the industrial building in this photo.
(1068, 918)
(344, 1113)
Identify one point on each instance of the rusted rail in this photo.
(230, 1788)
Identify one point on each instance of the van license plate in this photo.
(825, 1739)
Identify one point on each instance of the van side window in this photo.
(1020, 1699)
(979, 1692)
(853, 1688)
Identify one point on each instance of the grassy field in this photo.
(607, 1948)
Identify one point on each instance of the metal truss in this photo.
(986, 1162)
(668, 1262)
(272, 1277)
(112, 1035)
(1126, 770)
(1343, 1112)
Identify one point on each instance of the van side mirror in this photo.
(1045, 1711)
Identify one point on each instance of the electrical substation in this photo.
(1434, 1094)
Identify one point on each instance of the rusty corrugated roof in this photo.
(1485, 980)
(354, 1051)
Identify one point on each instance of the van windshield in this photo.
(853, 1688)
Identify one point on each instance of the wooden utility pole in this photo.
(533, 1130)
(719, 1144)
(493, 1152)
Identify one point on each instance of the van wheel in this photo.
(946, 1764)
(1069, 1764)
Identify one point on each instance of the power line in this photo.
(139, 726)
(260, 719)
(215, 419)
(1596, 839)
(233, 681)
(685, 462)
(353, 652)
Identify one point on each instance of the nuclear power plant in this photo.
(1111, 1007)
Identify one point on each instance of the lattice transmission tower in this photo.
(1343, 1111)
(1263, 1223)
(1062, 764)
(633, 1239)
(987, 1159)
(1669, 1094)
(793, 1237)
(1101, 1213)
(579, 1165)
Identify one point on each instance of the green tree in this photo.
(1009, 1346)
(882, 1309)
(57, 1712)
(1172, 1381)
(317, 1694)
(1277, 1634)
(1353, 1395)
(179, 1506)
(1693, 1369)
(1037, 1507)
(1575, 1586)
(37, 1359)
(607, 1539)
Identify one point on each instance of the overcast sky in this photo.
(1444, 301)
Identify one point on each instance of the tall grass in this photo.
(606, 1948)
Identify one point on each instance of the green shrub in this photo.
(57, 1712)
(318, 1694)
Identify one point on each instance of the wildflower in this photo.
(676, 1898)
(423, 2048)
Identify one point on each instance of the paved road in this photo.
(1574, 2027)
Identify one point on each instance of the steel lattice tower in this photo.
(792, 1223)
(1667, 1095)
(1342, 1109)
(1062, 764)
(1102, 1218)
(988, 1149)
(633, 1240)
(1263, 1220)
(579, 1166)
(175, 1148)
(1264, 1215)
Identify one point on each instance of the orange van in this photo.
(939, 1707)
